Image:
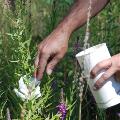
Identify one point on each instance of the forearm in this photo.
(78, 14)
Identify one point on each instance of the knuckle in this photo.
(44, 51)
(51, 66)
(97, 84)
(105, 76)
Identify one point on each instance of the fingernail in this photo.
(95, 88)
(49, 71)
(91, 77)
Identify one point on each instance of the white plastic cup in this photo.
(109, 94)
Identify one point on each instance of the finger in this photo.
(105, 64)
(51, 65)
(42, 64)
(104, 78)
(36, 64)
(117, 75)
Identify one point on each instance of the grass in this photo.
(20, 33)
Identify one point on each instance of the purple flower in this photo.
(62, 110)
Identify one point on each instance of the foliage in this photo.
(20, 33)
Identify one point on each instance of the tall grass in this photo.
(20, 33)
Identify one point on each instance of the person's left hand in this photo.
(112, 66)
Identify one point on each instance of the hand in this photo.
(50, 51)
(112, 67)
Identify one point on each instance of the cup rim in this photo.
(89, 50)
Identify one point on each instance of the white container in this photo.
(109, 94)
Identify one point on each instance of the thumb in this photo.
(51, 65)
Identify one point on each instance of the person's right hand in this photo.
(50, 51)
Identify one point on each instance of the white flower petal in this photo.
(39, 95)
(23, 97)
(23, 87)
(37, 82)
(37, 92)
(28, 91)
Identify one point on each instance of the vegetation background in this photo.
(23, 24)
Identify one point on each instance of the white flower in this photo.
(28, 88)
